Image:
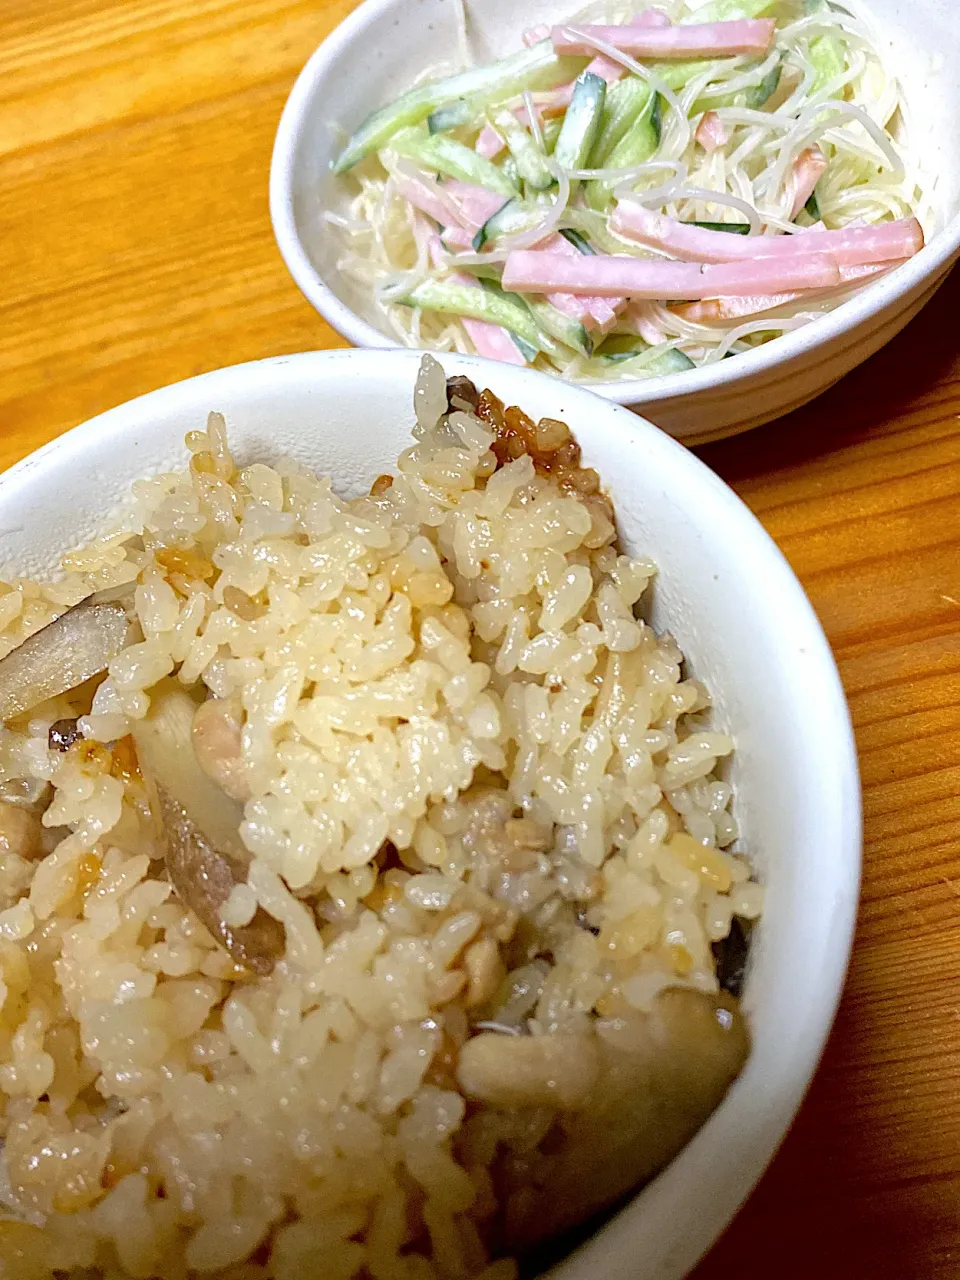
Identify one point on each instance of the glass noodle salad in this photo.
(636, 191)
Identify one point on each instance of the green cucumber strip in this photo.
(579, 242)
(536, 68)
(581, 122)
(564, 328)
(625, 102)
(676, 75)
(452, 158)
(656, 117)
(487, 303)
(515, 215)
(480, 238)
(767, 87)
(450, 116)
(526, 154)
(813, 206)
(754, 97)
(638, 145)
(620, 346)
(526, 349)
(730, 10)
(828, 55)
(672, 361)
(486, 272)
(735, 228)
(544, 342)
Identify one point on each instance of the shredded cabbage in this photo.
(855, 117)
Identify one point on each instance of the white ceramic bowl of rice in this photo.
(169, 1113)
(385, 45)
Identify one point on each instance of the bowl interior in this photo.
(723, 589)
(386, 44)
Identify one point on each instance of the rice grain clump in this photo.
(357, 916)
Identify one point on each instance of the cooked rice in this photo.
(482, 794)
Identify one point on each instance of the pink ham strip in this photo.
(711, 132)
(422, 197)
(468, 203)
(807, 170)
(488, 339)
(457, 237)
(637, 319)
(609, 70)
(723, 310)
(706, 40)
(435, 249)
(605, 67)
(472, 202)
(490, 144)
(475, 204)
(533, 271)
(851, 246)
(555, 102)
(535, 34)
(593, 313)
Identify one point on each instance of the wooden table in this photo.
(135, 250)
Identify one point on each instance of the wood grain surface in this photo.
(135, 250)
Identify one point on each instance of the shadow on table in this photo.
(880, 391)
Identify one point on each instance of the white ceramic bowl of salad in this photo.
(386, 46)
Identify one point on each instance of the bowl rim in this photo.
(926, 266)
(652, 1212)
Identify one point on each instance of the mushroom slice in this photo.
(218, 745)
(463, 390)
(165, 750)
(73, 648)
(204, 878)
(512, 1072)
(659, 1076)
(200, 829)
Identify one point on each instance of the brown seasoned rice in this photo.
(480, 797)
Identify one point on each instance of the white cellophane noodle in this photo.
(857, 118)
